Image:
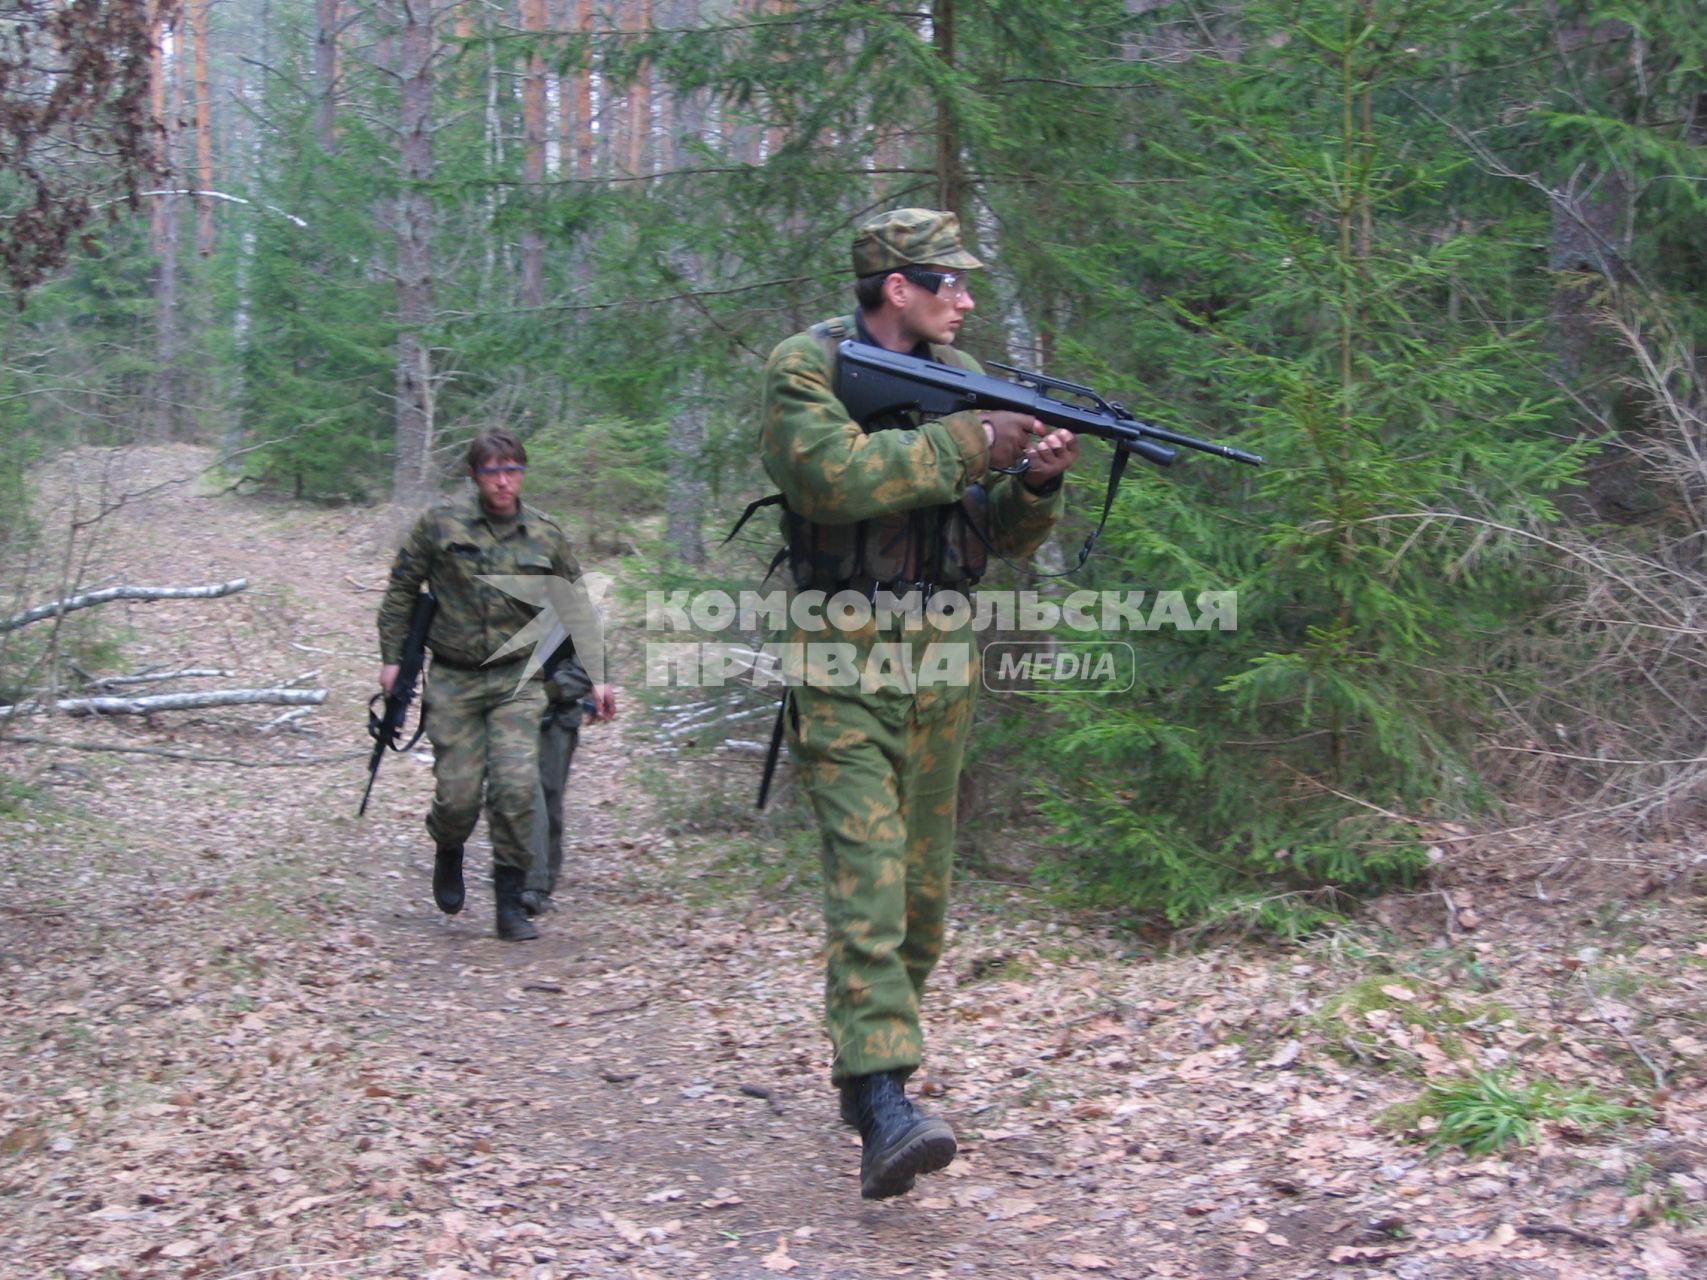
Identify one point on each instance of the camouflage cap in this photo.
(910, 238)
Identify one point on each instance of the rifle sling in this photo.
(753, 507)
(1116, 470)
(420, 727)
(774, 750)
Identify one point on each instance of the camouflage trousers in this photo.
(559, 732)
(485, 736)
(883, 781)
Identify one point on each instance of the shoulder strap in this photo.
(773, 751)
(831, 334)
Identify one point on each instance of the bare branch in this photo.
(153, 677)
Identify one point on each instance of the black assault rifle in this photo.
(872, 381)
(385, 726)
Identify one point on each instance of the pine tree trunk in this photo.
(950, 180)
(165, 398)
(640, 98)
(246, 139)
(412, 479)
(204, 129)
(564, 81)
(326, 74)
(158, 29)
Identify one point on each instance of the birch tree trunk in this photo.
(533, 156)
(412, 478)
(584, 93)
(489, 245)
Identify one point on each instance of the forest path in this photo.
(242, 1042)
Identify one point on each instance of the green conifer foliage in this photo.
(1318, 301)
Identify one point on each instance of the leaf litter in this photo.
(240, 1041)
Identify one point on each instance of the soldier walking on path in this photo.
(571, 698)
(484, 700)
(893, 509)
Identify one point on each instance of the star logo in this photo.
(568, 610)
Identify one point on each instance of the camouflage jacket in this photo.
(872, 505)
(449, 548)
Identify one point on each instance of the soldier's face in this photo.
(936, 317)
(499, 481)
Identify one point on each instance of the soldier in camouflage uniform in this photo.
(571, 697)
(482, 718)
(893, 506)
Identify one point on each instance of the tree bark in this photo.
(584, 92)
(412, 477)
(950, 180)
(684, 499)
(326, 74)
(1592, 207)
(533, 157)
(164, 407)
(640, 98)
(204, 128)
(158, 27)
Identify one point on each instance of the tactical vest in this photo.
(925, 548)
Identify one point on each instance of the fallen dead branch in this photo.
(288, 717)
(108, 594)
(174, 702)
(155, 677)
(297, 762)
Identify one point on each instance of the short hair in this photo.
(495, 443)
(868, 290)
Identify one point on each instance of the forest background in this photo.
(1441, 263)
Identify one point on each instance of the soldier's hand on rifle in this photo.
(387, 677)
(1008, 434)
(1051, 456)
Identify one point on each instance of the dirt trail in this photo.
(242, 1042)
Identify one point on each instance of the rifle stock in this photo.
(873, 380)
(385, 726)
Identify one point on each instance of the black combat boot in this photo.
(899, 1141)
(850, 1105)
(447, 880)
(513, 922)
